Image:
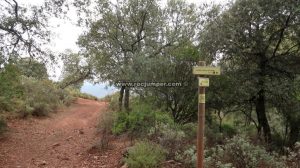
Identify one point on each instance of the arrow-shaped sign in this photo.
(205, 70)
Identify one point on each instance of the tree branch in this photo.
(281, 35)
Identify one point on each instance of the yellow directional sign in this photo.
(201, 98)
(205, 70)
(203, 82)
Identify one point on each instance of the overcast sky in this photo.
(67, 32)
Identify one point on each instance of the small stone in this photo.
(43, 163)
(65, 158)
(56, 144)
(170, 161)
(70, 137)
(81, 132)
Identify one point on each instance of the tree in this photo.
(258, 40)
(129, 33)
(119, 34)
(289, 108)
(75, 70)
(32, 68)
(221, 98)
(10, 86)
(23, 30)
(174, 67)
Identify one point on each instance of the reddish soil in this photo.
(64, 139)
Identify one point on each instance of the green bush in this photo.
(108, 98)
(120, 125)
(145, 155)
(228, 130)
(292, 158)
(4, 104)
(41, 96)
(238, 152)
(105, 127)
(190, 130)
(213, 136)
(137, 122)
(65, 97)
(22, 96)
(167, 135)
(3, 126)
(10, 87)
(76, 93)
(114, 102)
(142, 120)
(187, 156)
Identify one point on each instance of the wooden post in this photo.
(201, 126)
(201, 123)
(202, 70)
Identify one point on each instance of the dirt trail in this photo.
(62, 140)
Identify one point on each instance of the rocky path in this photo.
(63, 140)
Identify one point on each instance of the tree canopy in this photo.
(24, 30)
(258, 42)
(128, 36)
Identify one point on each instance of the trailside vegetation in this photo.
(252, 107)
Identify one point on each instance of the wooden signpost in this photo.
(201, 71)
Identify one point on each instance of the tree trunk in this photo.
(126, 101)
(263, 124)
(121, 97)
(262, 117)
(294, 133)
(220, 121)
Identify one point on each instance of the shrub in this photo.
(145, 155)
(41, 96)
(23, 96)
(190, 130)
(213, 137)
(293, 156)
(19, 107)
(239, 153)
(76, 93)
(4, 104)
(114, 102)
(236, 152)
(170, 136)
(105, 126)
(228, 130)
(187, 156)
(137, 122)
(141, 119)
(107, 98)
(65, 97)
(3, 126)
(10, 87)
(120, 126)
